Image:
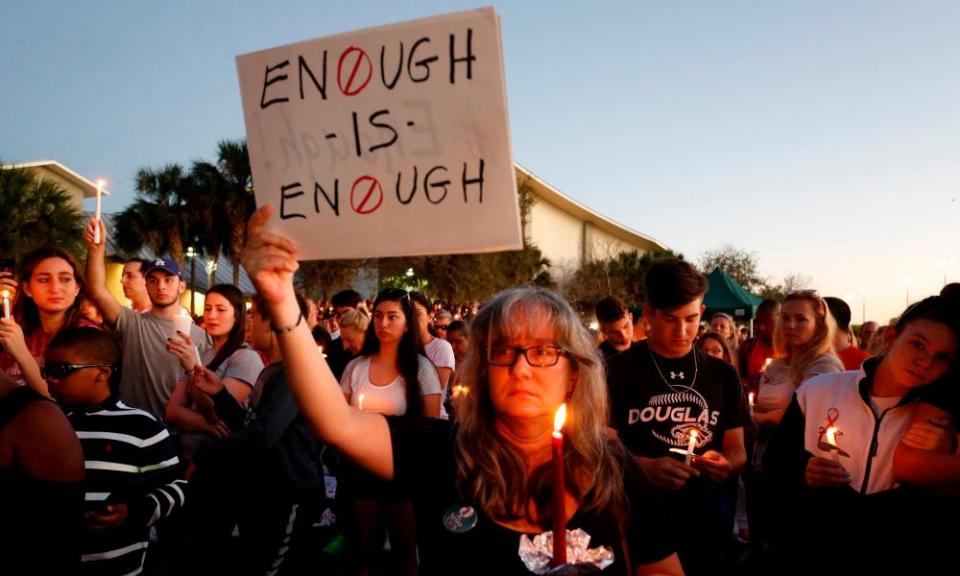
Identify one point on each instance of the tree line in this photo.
(206, 206)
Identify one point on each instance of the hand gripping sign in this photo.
(391, 141)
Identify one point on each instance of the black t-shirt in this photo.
(424, 461)
(655, 402)
(609, 351)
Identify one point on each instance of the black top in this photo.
(424, 461)
(654, 403)
(609, 351)
(40, 521)
(945, 394)
(274, 449)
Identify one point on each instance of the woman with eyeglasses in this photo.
(390, 377)
(437, 350)
(237, 364)
(832, 458)
(483, 485)
(47, 302)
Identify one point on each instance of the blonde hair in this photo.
(801, 357)
(491, 472)
(356, 319)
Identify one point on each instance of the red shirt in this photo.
(757, 357)
(852, 357)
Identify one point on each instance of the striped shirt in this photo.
(130, 458)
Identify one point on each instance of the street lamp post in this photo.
(944, 264)
(863, 310)
(192, 255)
(907, 282)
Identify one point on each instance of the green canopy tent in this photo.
(725, 295)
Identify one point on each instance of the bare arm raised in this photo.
(97, 273)
(271, 261)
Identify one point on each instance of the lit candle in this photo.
(360, 401)
(6, 303)
(831, 433)
(96, 232)
(129, 303)
(751, 403)
(691, 445)
(559, 491)
(322, 355)
(765, 364)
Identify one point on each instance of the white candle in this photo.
(6, 303)
(831, 433)
(360, 401)
(322, 355)
(751, 403)
(96, 232)
(691, 445)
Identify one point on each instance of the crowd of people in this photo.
(396, 435)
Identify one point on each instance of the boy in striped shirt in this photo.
(132, 470)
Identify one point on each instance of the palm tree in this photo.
(233, 160)
(160, 216)
(36, 212)
(224, 202)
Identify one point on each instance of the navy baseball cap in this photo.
(165, 264)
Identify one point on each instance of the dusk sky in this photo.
(823, 136)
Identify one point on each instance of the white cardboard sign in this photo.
(391, 141)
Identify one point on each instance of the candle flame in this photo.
(694, 434)
(831, 433)
(750, 398)
(560, 418)
(765, 364)
(360, 401)
(6, 294)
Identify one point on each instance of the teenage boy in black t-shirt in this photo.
(616, 326)
(664, 388)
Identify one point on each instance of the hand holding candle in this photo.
(559, 491)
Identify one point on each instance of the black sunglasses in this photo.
(64, 369)
(440, 326)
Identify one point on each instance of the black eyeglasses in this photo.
(440, 327)
(64, 369)
(541, 356)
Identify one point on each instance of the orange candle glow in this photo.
(831, 434)
(691, 445)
